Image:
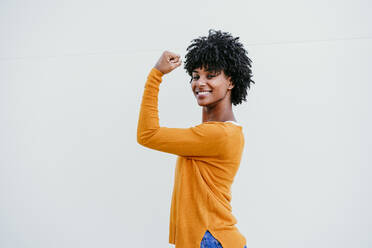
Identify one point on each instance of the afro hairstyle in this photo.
(221, 51)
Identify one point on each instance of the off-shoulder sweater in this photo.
(208, 158)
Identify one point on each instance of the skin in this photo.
(217, 104)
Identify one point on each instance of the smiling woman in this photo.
(201, 214)
(221, 52)
(211, 86)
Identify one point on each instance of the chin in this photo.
(204, 104)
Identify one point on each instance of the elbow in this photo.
(140, 134)
(145, 138)
(139, 138)
(144, 141)
(140, 141)
(142, 138)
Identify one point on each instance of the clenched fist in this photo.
(168, 61)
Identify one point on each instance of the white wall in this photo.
(71, 81)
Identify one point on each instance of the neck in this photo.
(219, 112)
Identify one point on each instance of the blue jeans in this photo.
(209, 241)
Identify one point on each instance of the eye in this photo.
(196, 77)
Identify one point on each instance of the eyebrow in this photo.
(209, 71)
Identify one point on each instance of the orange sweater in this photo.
(209, 156)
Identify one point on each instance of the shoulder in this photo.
(211, 128)
(221, 129)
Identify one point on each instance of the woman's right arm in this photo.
(200, 140)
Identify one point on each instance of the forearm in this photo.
(148, 121)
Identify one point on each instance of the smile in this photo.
(201, 93)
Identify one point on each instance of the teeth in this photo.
(203, 92)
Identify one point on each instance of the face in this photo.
(210, 88)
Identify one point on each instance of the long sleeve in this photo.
(205, 139)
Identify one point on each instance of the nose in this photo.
(200, 82)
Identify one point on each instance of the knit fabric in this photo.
(208, 158)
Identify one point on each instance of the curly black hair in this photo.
(221, 51)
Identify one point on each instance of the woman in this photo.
(209, 154)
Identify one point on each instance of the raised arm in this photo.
(202, 140)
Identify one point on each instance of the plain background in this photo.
(71, 81)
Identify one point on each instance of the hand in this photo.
(168, 61)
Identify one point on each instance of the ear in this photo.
(231, 85)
